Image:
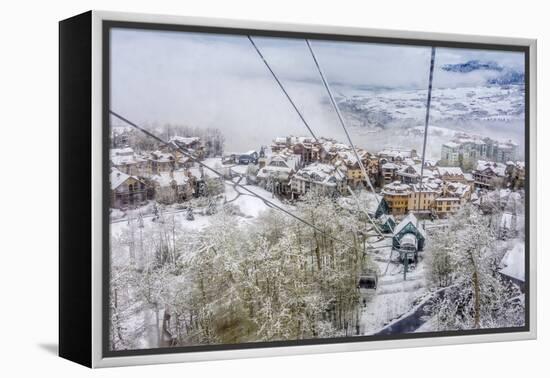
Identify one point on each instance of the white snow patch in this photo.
(513, 262)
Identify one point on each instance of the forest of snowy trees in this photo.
(235, 282)
(274, 277)
(213, 138)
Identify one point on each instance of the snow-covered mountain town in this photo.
(198, 258)
(231, 222)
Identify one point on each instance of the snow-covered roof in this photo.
(410, 218)
(294, 139)
(126, 159)
(450, 171)
(396, 152)
(458, 189)
(396, 187)
(126, 151)
(280, 172)
(348, 157)
(185, 141)
(164, 179)
(161, 157)
(117, 178)
(430, 163)
(517, 164)
(451, 145)
(390, 165)
(497, 168)
(324, 174)
(284, 160)
(426, 187)
(513, 262)
(410, 170)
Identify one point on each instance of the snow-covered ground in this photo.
(513, 263)
(394, 298)
(248, 207)
(144, 319)
(394, 295)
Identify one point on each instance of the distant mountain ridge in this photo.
(472, 65)
(508, 76)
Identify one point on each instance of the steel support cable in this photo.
(340, 118)
(281, 86)
(428, 104)
(194, 159)
(426, 123)
(338, 113)
(337, 110)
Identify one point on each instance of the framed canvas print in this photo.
(234, 189)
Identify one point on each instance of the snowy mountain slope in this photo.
(495, 102)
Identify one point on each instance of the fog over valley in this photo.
(219, 81)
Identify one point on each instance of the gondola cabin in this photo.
(368, 281)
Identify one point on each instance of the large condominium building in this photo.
(318, 176)
(307, 147)
(465, 150)
(276, 173)
(397, 196)
(488, 175)
(422, 197)
(355, 174)
(453, 196)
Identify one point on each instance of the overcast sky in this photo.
(209, 80)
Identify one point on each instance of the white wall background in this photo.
(29, 189)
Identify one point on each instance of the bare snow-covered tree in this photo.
(477, 297)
